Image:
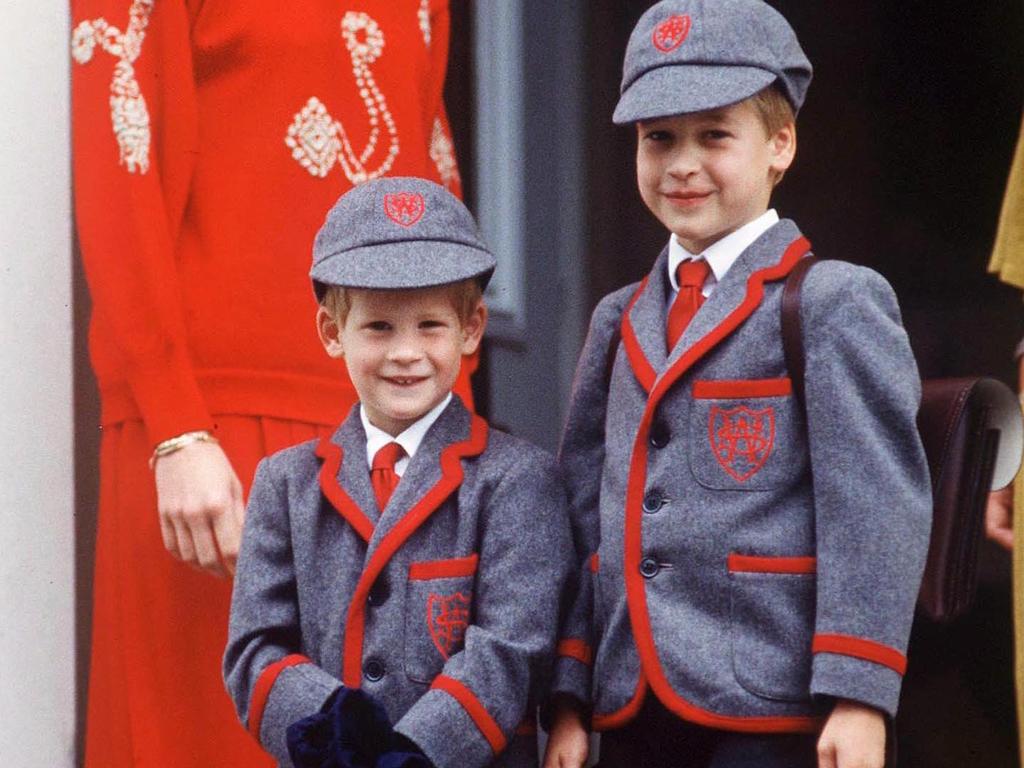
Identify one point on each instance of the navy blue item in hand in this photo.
(351, 731)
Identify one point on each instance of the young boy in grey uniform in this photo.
(756, 559)
(397, 595)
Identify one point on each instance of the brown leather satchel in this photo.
(960, 422)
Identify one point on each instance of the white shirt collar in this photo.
(410, 439)
(722, 254)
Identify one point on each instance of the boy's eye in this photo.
(716, 134)
(658, 136)
(429, 324)
(378, 325)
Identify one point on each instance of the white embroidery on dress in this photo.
(318, 141)
(442, 152)
(424, 17)
(128, 113)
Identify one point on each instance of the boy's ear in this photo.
(473, 328)
(783, 149)
(329, 331)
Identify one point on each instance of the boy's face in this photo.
(707, 174)
(403, 350)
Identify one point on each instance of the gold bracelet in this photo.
(174, 444)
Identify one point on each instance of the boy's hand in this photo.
(568, 742)
(999, 517)
(199, 500)
(853, 737)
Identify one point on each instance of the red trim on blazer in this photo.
(577, 649)
(642, 368)
(527, 728)
(742, 388)
(636, 595)
(859, 648)
(332, 454)
(595, 563)
(444, 569)
(481, 717)
(264, 684)
(451, 478)
(761, 564)
(618, 718)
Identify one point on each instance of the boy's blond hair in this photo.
(464, 295)
(774, 109)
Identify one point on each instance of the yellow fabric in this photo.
(1008, 253)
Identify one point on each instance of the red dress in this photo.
(210, 139)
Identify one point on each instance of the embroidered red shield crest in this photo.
(447, 619)
(670, 34)
(404, 208)
(741, 439)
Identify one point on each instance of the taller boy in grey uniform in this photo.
(756, 562)
(435, 597)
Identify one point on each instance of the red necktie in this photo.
(382, 473)
(691, 276)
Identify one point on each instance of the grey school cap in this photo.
(692, 55)
(395, 233)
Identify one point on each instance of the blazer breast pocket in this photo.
(746, 434)
(438, 609)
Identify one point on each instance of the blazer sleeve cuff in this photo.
(294, 688)
(572, 677)
(869, 681)
(452, 727)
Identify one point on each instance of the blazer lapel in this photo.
(645, 322)
(345, 476)
(735, 288)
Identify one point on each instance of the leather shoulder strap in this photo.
(792, 333)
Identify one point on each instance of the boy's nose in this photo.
(685, 162)
(404, 350)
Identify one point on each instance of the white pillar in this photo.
(37, 639)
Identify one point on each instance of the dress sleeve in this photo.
(872, 495)
(437, 34)
(134, 128)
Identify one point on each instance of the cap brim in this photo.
(683, 88)
(404, 265)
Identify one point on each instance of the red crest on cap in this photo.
(670, 34)
(404, 208)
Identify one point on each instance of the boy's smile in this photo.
(706, 174)
(403, 350)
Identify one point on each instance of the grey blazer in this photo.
(443, 606)
(749, 563)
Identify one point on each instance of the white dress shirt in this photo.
(410, 439)
(722, 254)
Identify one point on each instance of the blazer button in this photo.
(653, 501)
(379, 593)
(373, 670)
(649, 567)
(660, 434)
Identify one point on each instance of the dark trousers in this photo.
(656, 738)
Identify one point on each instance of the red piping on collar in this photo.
(642, 368)
(636, 596)
(451, 478)
(332, 454)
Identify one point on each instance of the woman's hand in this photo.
(199, 499)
